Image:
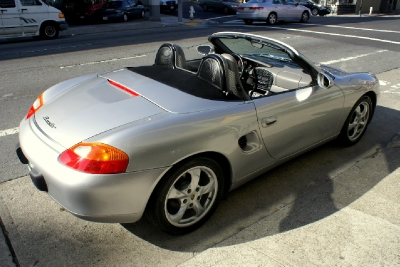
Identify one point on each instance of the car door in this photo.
(293, 12)
(10, 17)
(33, 12)
(135, 9)
(280, 8)
(294, 120)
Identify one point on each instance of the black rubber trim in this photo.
(38, 180)
(20, 154)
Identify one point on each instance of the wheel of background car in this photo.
(142, 13)
(225, 10)
(205, 7)
(239, 61)
(248, 21)
(304, 17)
(357, 121)
(49, 30)
(187, 196)
(271, 19)
(314, 12)
(125, 18)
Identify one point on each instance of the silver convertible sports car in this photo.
(169, 140)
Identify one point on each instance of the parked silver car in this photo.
(171, 139)
(272, 11)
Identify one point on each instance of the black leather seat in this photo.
(222, 71)
(171, 56)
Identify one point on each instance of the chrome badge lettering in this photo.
(52, 125)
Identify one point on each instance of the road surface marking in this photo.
(9, 131)
(325, 33)
(100, 61)
(346, 27)
(350, 58)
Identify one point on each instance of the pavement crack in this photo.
(8, 242)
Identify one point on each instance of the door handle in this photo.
(269, 121)
(24, 9)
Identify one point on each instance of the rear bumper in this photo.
(252, 16)
(115, 198)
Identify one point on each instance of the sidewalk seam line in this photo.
(8, 242)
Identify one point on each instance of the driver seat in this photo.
(170, 56)
(222, 72)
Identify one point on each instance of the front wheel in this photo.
(49, 30)
(186, 197)
(225, 10)
(272, 18)
(304, 17)
(205, 7)
(357, 121)
(125, 18)
(142, 13)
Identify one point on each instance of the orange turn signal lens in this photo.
(97, 158)
(35, 106)
(61, 15)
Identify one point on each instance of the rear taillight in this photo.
(240, 8)
(35, 106)
(256, 8)
(96, 158)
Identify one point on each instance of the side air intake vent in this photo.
(243, 142)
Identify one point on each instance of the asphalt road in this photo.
(354, 44)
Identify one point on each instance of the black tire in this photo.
(272, 19)
(248, 21)
(314, 11)
(205, 7)
(49, 30)
(304, 17)
(357, 122)
(187, 196)
(225, 10)
(125, 17)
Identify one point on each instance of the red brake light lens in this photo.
(96, 158)
(240, 8)
(35, 106)
(256, 8)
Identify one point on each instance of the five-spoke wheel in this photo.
(357, 121)
(186, 197)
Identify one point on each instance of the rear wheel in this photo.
(185, 198)
(225, 10)
(314, 12)
(49, 30)
(304, 17)
(248, 21)
(142, 13)
(272, 18)
(205, 7)
(357, 121)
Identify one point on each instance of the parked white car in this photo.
(30, 18)
(272, 11)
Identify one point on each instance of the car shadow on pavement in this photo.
(302, 191)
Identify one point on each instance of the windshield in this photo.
(256, 1)
(247, 47)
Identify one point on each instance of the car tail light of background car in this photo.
(96, 158)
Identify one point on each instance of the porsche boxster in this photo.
(169, 140)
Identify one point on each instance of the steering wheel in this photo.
(240, 64)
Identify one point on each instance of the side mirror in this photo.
(204, 49)
(324, 81)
